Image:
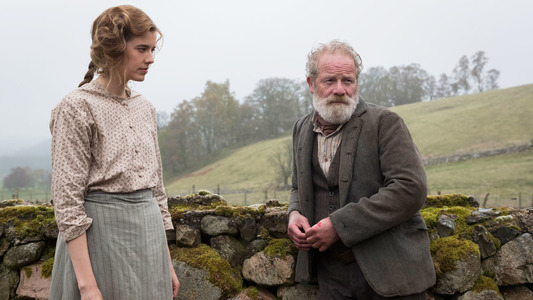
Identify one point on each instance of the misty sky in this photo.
(45, 46)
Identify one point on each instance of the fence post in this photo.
(245, 198)
(193, 189)
(519, 199)
(266, 195)
(218, 189)
(485, 200)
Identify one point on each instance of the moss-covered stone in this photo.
(27, 270)
(448, 250)
(448, 200)
(46, 270)
(28, 220)
(239, 211)
(221, 274)
(48, 257)
(280, 248)
(458, 213)
(252, 292)
(485, 283)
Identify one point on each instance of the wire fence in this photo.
(33, 196)
(240, 196)
(257, 195)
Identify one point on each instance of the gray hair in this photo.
(334, 46)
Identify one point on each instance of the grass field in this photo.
(506, 178)
(489, 120)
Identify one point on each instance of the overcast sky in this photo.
(45, 46)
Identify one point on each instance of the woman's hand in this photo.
(91, 293)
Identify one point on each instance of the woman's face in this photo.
(139, 56)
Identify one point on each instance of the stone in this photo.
(32, 284)
(254, 293)
(16, 239)
(269, 271)
(275, 221)
(187, 236)
(229, 248)
(19, 256)
(525, 219)
(248, 229)
(4, 245)
(513, 263)
(253, 247)
(445, 226)
(505, 234)
(194, 283)
(480, 215)
(216, 225)
(460, 280)
(298, 291)
(50, 231)
(482, 295)
(195, 217)
(519, 292)
(484, 241)
(9, 281)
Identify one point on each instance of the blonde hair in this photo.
(110, 32)
(334, 46)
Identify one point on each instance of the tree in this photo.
(444, 88)
(461, 76)
(216, 115)
(162, 119)
(276, 103)
(282, 160)
(479, 60)
(490, 81)
(19, 177)
(373, 86)
(179, 141)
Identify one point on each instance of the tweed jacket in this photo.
(382, 186)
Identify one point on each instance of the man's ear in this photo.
(310, 84)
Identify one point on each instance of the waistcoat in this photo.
(326, 194)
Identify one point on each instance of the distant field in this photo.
(506, 178)
(489, 120)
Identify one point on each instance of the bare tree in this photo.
(282, 160)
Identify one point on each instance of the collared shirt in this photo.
(327, 145)
(101, 142)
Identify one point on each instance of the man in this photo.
(357, 186)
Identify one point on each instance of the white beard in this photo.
(335, 113)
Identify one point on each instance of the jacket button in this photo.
(332, 194)
(331, 207)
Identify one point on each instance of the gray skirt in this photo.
(127, 248)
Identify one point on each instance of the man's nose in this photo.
(338, 89)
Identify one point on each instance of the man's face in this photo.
(335, 88)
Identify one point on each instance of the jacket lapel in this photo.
(305, 147)
(350, 137)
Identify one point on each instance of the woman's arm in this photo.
(79, 254)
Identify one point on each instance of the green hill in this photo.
(442, 127)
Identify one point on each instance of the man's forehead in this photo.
(335, 60)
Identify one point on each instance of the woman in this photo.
(107, 183)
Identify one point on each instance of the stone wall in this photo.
(428, 161)
(233, 252)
